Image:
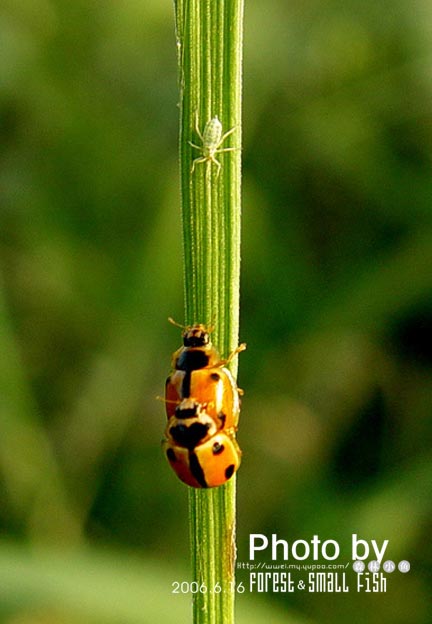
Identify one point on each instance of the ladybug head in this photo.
(196, 336)
(188, 408)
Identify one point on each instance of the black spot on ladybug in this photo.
(186, 384)
(218, 448)
(196, 470)
(189, 436)
(192, 360)
(229, 471)
(171, 455)
(215, 376)
(222, 418)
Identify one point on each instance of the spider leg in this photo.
(197, 130)
(217, 163)
(196, 161)
(224, 136)
(227, 149)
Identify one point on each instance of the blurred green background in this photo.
(336, 303)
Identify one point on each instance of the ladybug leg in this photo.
(240, 348)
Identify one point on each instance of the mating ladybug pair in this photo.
(203, 406)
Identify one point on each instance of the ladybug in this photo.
(203, 406)
(208, 464)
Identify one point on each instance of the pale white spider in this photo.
(211, 139)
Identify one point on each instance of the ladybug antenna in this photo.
(209, 329)
(164, 400)
(173, 322)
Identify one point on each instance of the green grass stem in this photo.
(209, 44)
